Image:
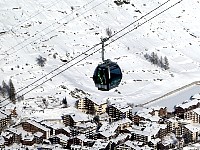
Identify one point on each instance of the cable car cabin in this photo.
(107, 75)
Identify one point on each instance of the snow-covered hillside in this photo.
(62, 30)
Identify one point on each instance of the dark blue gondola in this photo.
(107, 75)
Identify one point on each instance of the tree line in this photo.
(8, 90)
(159, 61)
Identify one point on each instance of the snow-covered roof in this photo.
(173, 120)
(157, 107)
(100, 144)
(150, 129)
(193, 127)
(7, 134)
(196, 96)
(145, 113)
(121, 137)
(169, 139)
(82, 137)
(77, 115)
(132, 145)
(38, 125)
(54, 125)
(86, 125)
(188, 104)
(99, 100)
(38, 134)
(67, 129)
(153, 127)
(63, 137)
(14, 130)
(122, 106)
(197, 110)
(107, 129)
(50, 114)
(142, 133)
(155, 141)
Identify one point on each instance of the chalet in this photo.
(162, 146)
(121, 138)
(75, 116)
(88, 129)
(101, 145)
(195, 96)
(145, 114)
(107, 131)
(56, 128)
(91, 105)
(191, 133)
(79, 147)
(33, 127)
(168, 142)
(123, 124)
(193, 115)
(159, 111)
(119, 110)
(149, 132)
(17, 135)
(4, 119)
(8, 138)
(28, 140)
(172, 124)
(186, 106)
(60, 139)
(128, 145)
(80, 140)
(153, 143)
(38, 137)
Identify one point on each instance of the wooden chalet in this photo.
(91, 106)
(74, 117)
(118, 111)
(185, 107)
(33, 127)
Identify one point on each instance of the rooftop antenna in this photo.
(103, 45)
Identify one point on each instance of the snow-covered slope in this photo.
(62, 30)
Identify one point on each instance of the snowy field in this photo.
(63, 30)
(176, 98)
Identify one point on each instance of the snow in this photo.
(193, 127)
(69, 28)
(48, 29)
(176, 98)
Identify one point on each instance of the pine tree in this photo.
(5, 88)
(64, 101)
(166, 63)
(76, 104)
(11, 92)
(161, 62)
(146, 56)
(154, 58)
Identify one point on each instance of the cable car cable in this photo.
(5, 52)
(89, 54)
